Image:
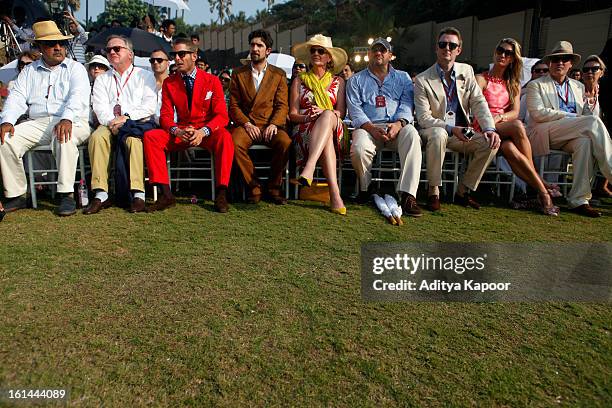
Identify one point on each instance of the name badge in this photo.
(117, 110)
(450, 118)
(380, 101)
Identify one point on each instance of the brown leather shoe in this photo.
(586, 210)
(221, 204)
(433, 203)
(466, 201)
(409, 206)
(162, 203)
(275, 197)
(95, 206)
(138, 205)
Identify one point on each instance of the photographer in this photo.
(77, 43)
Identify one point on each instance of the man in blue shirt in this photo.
(380, 104)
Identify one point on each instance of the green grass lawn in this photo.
(262, 307)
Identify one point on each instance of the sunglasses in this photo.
(157, 60)
(379, 48)
(591, 69)
(540, 70)
(53, 43)
(181, 54)
(320, 51)
(299, 66)
(503, 51)
(116, 48)
(444, 44)
(560, 58)
(225, 79)
(98, 66)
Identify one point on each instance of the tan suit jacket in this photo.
(267, 106)
(543, 107)
(430, 98)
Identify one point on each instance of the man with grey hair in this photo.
(124, 99)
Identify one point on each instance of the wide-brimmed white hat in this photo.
(98, 59)
(338, 55)
(563, 48)
(48, 31)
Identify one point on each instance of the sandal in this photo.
(546, 205)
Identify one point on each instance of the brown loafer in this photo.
(410, 206)
(275, 197)
(96, 206)
(138, 205)
(221, 204)
(433, 203)
(467, 201)
(586, 210)
(162, 203)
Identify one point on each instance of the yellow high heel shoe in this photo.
(306, 182)
(339, 211)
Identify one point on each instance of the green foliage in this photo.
(125, 11)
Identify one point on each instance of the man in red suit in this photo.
(201, 118)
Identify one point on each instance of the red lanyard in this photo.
(448, 91)
(119, 90)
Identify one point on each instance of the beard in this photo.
(257, 59)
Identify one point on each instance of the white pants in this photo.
(34, 133)
(408, 145)
(587, 139)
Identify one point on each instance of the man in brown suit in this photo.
(258, 107)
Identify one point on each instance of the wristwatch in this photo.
(403, 122)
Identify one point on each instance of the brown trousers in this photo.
(279, 144)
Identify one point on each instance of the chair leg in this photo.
(28, 155)
(212, 175)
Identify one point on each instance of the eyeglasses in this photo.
(503, 51)
(53, 43)
(593, 69)
(316, 50)
(299, 66)
(181, 54)
(225, 79)
(451, 45)
(560, 58)
(540, 70)
(379, 48)
(116, 48)
(157, 60)
(22, 64)
(98, 66)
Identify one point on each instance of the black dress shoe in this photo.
(162, 203)
(67, 207)
(95, 206)
(586, 210)
(17, 203)
(138, 205)
(467, 201)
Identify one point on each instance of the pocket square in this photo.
(208, 95)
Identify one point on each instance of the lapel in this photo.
(551, 92)
(435, 83)
(265, 84)
(460, 84)
(249, 86)
(578, 96)
(198, 86)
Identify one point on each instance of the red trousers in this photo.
(157, 142)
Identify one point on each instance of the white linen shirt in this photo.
(62, 92)
(258, 76)
(138, 98)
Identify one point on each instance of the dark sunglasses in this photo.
(116, 48)
(299, 66)
(158, 60)
(320, 51)
(540, 70)
(53, 43)
(379, 48)
(98, 66)
(181, 54)
(22, 64)
(451, 45)
(591, 69)
(502, 51)
(560, 58)
(225, 79)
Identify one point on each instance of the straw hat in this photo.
(246, 61)
(563, 48)
(47, 31)
(338, 55)
(98, 59)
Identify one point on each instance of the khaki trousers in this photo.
(587, 139)
(100, 145)
(436, 141)
(408, 145)
(37, 132)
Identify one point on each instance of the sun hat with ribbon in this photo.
(48, 31)
(338, 55)
(563, 48)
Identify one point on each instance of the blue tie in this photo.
(189, 87)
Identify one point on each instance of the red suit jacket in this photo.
(207, 104)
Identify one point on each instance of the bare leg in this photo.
(328, 163)
(320, 136)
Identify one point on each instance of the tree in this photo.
(125, 11)
(223, 8)
(270, 4)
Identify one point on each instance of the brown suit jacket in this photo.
(268, 106)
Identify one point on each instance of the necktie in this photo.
(189, 87)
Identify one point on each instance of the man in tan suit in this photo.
(559, 119)
(259, 108)
(444, 95)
